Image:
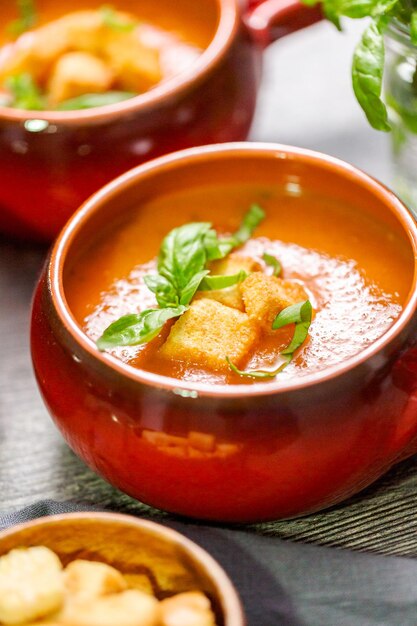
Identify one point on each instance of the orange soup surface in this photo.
(354, 270)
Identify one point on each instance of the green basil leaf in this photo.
(114, 21)
(299, 314)
(250, 222)
(25, 93)
(413, 28)
(216, 248)
(188, 292)
(258, 373)
(27, 19)
(165, 293)
(137, 328)
(301, 318)
(383, 8)
(293, 314)
(214, 283)
(367, 73)
(92, 100)
(183, 255)
(272, 262)
(332, 13)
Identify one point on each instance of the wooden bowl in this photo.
(172, 562)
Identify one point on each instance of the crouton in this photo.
(137, 66)
(77, 73)
(207, 333)
(128, 608)
(91, 579)
(232, 264)
(191, 608)
(265, 296)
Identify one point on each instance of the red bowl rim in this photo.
(170, 161)
(229, 19)
(232, 606)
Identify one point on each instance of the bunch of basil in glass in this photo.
(369, 56)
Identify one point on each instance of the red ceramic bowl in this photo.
(301, 446)
(51, 162)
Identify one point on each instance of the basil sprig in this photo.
(185, 252)
(369, 56)
(181, 266)
(272, 262)
(137, 328)
(27, 18)
(299, 314)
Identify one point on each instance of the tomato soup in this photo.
(53, 54)
(353, 269)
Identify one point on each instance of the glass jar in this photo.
(400, 86)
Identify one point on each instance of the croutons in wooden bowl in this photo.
(103, 569)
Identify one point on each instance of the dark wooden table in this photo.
(305, 100)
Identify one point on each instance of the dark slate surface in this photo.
(305, 100)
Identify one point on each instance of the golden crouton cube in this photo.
(191, 608)
(92, 579)
(232, 264)
(78, 73)
(31, 585)
(136, 66)
(265, 296)
(128, 608)
(207, 333)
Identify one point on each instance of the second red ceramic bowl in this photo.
(293, 448)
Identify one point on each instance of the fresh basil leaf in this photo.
(272, 262)
(92, 100)
(214, 283)
(330, 9)
(183, 255)
(137, 328)
(216, 248)
(293, 314)
(299, 314)
(383, 8)
(113, 20)
(188, 292)
(413, 28)
(250, 222)
(165, 293)
(367, 73)
(27, 19)
(25, 93)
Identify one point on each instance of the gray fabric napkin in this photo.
(288, 584)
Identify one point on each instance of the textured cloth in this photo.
(287, 584)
